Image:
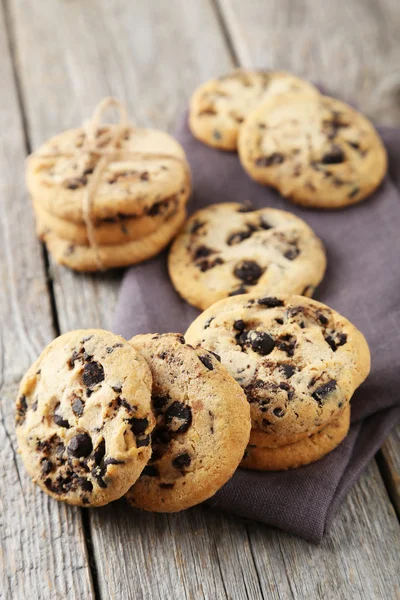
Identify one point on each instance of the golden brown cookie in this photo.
(83, 417)
(298, 361)
(301, 453)
(96, 258)
(229, 249)
(202, 425)
(220, 106)
(315, 150)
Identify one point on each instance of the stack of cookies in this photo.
(315, 150)
(298, 362)
(108, 195)
(98, 417)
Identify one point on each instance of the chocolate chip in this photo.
(80, 445)
(240, 290)
(322, 318)
(78, 407)
(339, 340)
(248, 271)
(279, 321)
(270, 302)
(117, 388)
(181, 461)
(217, 356)
(98, 474)
(267, 161)
(278, 412)
(264, 224)
(238, 236)
(93, 373)
(239, 325)
(196, 225)
(85, 484)
(206, 265)
(60, 421)
(334, 156)
(208, 322)
(138, 426)
(292, 253)
(150, 471)
(99, 452)
(180, 412)
(207, 362)
(324, 390)
(161, 435)
(261, 342)
(125, 404)
(159, 402)
(46, 466)
(287, 344)
(75, 183)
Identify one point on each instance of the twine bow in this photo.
(106, 149)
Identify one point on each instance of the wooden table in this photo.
(58, 59)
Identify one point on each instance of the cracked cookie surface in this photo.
(202, 425)
(298, 361)
(220, 106)
(83, 417)
(229, 249)
(317, 151)
(130, 184)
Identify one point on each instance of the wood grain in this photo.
(391, 466)
(152, 55)
(351, 46)
(42, 547)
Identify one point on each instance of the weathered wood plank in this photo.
(350, 47)
(87, 51)
(42, 547)
(391, 466)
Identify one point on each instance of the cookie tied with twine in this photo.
(106, 173)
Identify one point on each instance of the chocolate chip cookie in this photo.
(202, 425)
(220, 106)
(298, 361)
(301, 453)
(83, 417)
(315, 150)
(90, 258)
(146, 168)
(223, 251)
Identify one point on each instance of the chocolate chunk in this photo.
(240, 290)
(279, 321)
(117, 388)
(238, 236)
(138, 426)
(287, 344)
(339, 340)
(264, 224)
(334, 156)
(292, 253)
(60, 421)
(217, 356)
(322, 318)
(206, 265)
(125, 404)
(150, 471)
(46, 466)
(324, 390)
(270, 302)
(143, 441)
(181, 461)
(98, 474)
(278, 412)
(288, 370)
(261, 342)
(161, 435)
(85, 484)
(159, 402)
(109, 350)
(93, 373)
(239, 325)
(22, 407)
(78, 407)
(80, 445)
(207, 362)
(268, 161)
(180, 413)
(248, 271)
(99, 452)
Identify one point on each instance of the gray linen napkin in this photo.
(362, 282)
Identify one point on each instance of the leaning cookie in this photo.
(220, 106)
(202, 425)
(315, 150)
(112, 231)
(301, 453)
(298, 361)
(95, 258)
(229, 249)
(83, 417)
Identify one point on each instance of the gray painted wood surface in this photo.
(67, 55)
